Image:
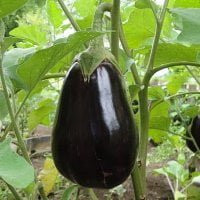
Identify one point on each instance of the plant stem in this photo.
(139, 189)
(193, 75)
(115, 19)
(157, 36)
(14, 192)
(41, 191)
(11, 113)
(55, 75)
(173, 96)
(69, 16)
(16, 115)
(92, 194)
(174, 64)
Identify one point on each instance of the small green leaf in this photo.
(14, 169)
(8, 6)
(177, 170)
(68, 192)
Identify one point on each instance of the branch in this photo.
(193, 75)
(69, 16)
(174, 96)
(157, 37)
(173, 64)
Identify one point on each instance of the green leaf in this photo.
(161, 109)
(177, 170)
(191, 111)
(157, 135)
(3, 106)
(10, 63)
(133, 90)
(142, 4)
(85, 9)
(68, 192)
(8, 6)
(156, 93)
(193, 192)
(187, 4)
(34, 68)
(41, 115)
(14, 169)
(32, 33)
(190, 24)
(138, 28)
(176, 80)
(167, 53)
(160, 123)
(54, 13)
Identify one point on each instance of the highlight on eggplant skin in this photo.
(94, 141)
(195, 132)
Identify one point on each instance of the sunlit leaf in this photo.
(48, 175)
(8, 6)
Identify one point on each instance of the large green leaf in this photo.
(187, 4)
(34, 68)
(139, 27)
(54, 13)
(68, 192)
(14, 169)
(32, 33)
(170, 52)
(190, 27)
(3, 106)
(8, 6)
(10, 63)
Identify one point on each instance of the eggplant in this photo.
(195, 132)
(94, 140)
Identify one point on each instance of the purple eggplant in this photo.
(94, 141)
(195, 132)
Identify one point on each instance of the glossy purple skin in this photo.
(94, 140)
(195, 131)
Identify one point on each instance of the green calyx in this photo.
(91, 58)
